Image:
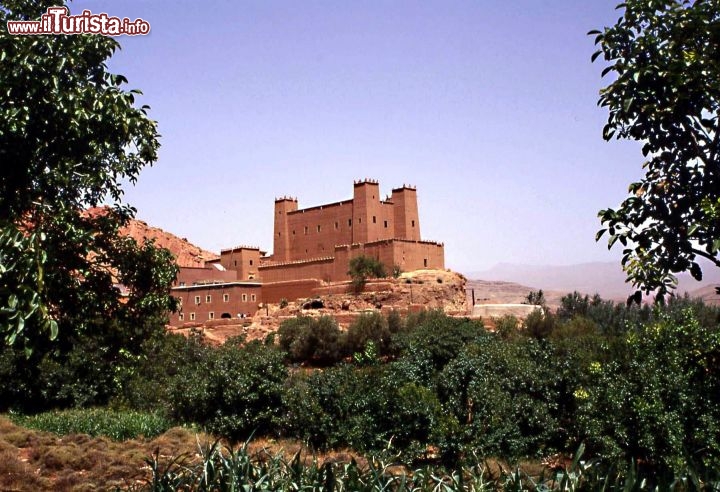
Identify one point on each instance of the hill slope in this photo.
(186, 253)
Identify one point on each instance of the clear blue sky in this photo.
(488, 107)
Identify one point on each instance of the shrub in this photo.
(362, 268)
(337, 407)
(433, 339)
(316, 340)
(536, 298)
(572, 305)
(507, 326)
(371, 327)
(84, 371)
(147, 388)
(504, 395)
(395, 322)
(539, 324)
(363, 408)
(234, 392)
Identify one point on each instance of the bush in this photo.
(81, 371)
(364, 409)
(370, 327)
(148, 387)
(395, 322)
(362, 268)
(539, 325)
(340, 406)
(316, 340)
(507, 326)
(504, 395)
(433, 339)
(234, 392)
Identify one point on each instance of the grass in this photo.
(34, 460)
(180, 459)
(117, 425)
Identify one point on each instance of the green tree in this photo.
(364, 267)
(369, 328)
(234, 391)
(661, 403)
(536, 298)
(665, 59)
(69, 135)
(315, 340)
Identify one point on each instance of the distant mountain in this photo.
(707, 294)
(498, 292)
(604, 278)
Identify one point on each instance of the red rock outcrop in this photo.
(186, 254)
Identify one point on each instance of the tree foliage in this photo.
(69, 135)
(665, 57)
(364, 267)
(307, 339)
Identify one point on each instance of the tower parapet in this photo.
(360, 182)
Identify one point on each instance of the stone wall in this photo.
(320, 269)
(291, 290)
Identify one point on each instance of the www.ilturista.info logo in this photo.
(58, 21)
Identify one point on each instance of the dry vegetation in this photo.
(32, 460)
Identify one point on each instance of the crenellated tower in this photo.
(405, 213)
(366, 209)
(281, 236)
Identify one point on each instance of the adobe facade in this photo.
(310, 246)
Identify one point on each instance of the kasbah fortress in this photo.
(245, 291)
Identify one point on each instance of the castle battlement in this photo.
(365, 181)
(238, 248)
(272, 264)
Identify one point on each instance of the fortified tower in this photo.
(366, 209)
(245, 260)
(281, 243)
(405, 213)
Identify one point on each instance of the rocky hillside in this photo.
(187, 254)
(412, 292)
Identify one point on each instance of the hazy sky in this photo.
(488, 107)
